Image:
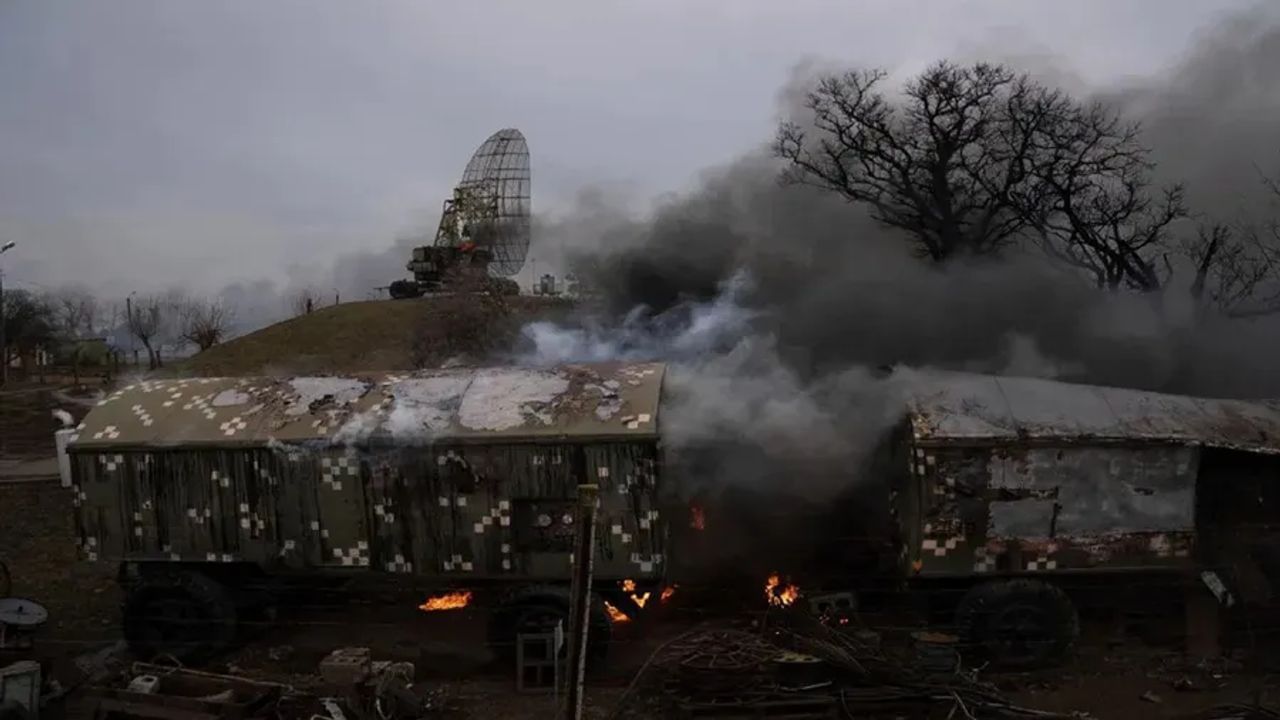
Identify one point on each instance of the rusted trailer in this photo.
(460, 476)
(1019, 487)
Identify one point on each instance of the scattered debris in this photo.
(793, 664)
(1186, 684)
(156, 691)
(936, 652)
(102, 663)
(346, 667)
(146, 684)
(280, 653)
(20, 688)
(19, 620)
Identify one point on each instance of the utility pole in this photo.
(4, 341)
(584, 542)
(128, 325)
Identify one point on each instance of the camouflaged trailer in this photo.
(1039, 483)
(465, 476)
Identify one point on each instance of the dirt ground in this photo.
(1127, 682)
(36, 540)
(27, 424)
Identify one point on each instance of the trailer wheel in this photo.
(538, 609)
(181, 613)
(1018, 623)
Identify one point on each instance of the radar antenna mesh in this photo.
(491, 205)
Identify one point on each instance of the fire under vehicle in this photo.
(1018, 494)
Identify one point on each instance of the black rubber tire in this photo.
(1018, 623)
(181, 613)
(527, 609)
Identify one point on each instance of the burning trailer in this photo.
(206, 491)
(1017, 493)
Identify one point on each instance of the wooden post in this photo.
(1203, 623)
(580, 598)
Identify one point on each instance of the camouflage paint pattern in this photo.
(1018, 475)
(1009, 510)
(445, 499)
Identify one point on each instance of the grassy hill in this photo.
(378, 335)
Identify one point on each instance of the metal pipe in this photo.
(580, 598)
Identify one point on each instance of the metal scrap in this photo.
(704, 672)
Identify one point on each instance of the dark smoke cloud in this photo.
(835, 290)
(791, 319)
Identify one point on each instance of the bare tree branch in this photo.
(204, 323)
(948, 165)
(145, 321)
(1098, 210)
(304, 301)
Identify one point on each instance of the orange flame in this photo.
(780, 595)
(697, 518)
(667, 592)
(448, 601)
(629, 586)
(616, 615)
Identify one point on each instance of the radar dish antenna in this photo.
(490, 207)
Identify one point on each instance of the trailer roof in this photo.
(963, 408)
(600, 400)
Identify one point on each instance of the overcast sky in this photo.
(148, 143)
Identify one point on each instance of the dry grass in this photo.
(365, 336)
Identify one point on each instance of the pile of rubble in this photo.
(793, 664)
(350, 685)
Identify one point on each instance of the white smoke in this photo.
(728, 389)
(687, 331)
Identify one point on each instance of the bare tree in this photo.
(204, 323)
(1097, 209)
(30, 323)
(949, 165)
(77, 313)
(1237, 270)
(1237, 267)
(145, 319)
(304, 301)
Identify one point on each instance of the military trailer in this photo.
(1022, 492)
(1022, 496)
(204, 490)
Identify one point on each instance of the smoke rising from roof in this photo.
(776, 302)
(835, 289)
